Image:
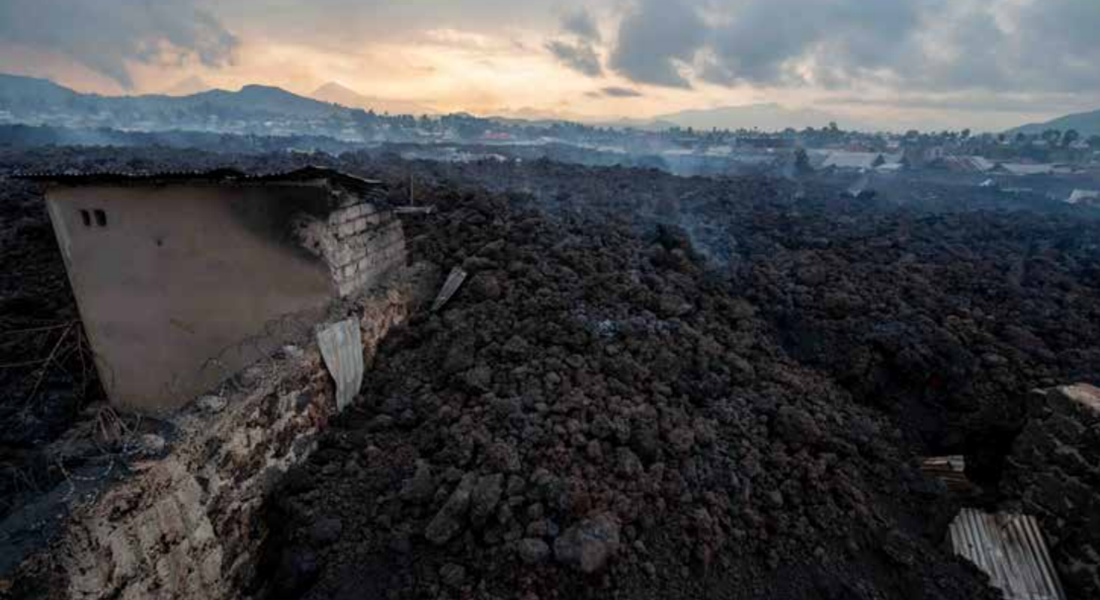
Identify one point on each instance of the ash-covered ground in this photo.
(656, 387)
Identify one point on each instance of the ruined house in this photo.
(183, 279)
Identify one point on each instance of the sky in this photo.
(893, 64)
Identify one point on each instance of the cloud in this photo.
(654, 38)
(620, 92)
(615, 92)
(767, 43)
(580, 57)
(106, 34)
(1043, 46)
(903, 45)
(974, 102)
(581, 24)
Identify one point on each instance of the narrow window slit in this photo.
(86, 217)
(100, 218)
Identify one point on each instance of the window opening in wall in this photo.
(100, 218)
(86, 217)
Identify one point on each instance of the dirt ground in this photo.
(656, 387)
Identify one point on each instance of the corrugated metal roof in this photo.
(308, 173)
(1080, 195)
(852, 160)
(966, 163)
(1028, 169)
(1010, 548)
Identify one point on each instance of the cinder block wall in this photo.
(361, 242)
(370, 244)
(1054, 470)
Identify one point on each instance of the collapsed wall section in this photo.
(360, 241)
(186, 526)
(1054, 470)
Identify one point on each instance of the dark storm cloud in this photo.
(765, 40)
(580, 57)
(1057, 45)
(1047, 48)
(759, 41)
(579, 54)
(104, 34)
(654, 37)
(581, 24)
(1046, 45)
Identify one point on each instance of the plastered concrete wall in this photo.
(1054, 471)
(180, 286)
(186, 526)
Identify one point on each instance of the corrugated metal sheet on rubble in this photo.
(342, 348)
(1010, 548)
(454, 280)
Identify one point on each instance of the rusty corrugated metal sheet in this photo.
(1010, 548)
(342, 348)
(454, 280)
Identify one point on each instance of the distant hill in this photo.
(765, 117)
(337, 94)
(1087, 124)
(640, 124)
(533, 115)
(274, 100)
(31, 97)
(18, 89)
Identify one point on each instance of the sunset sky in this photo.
(985, 64)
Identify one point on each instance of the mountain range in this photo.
(32, 94)
(26, 99)
(28, 94)
(1086, 123)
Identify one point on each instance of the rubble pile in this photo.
(592, 414)
(660, 387)
(945, 322)
(1053, 471)
(939, 314)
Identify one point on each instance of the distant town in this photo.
(1058, 163)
